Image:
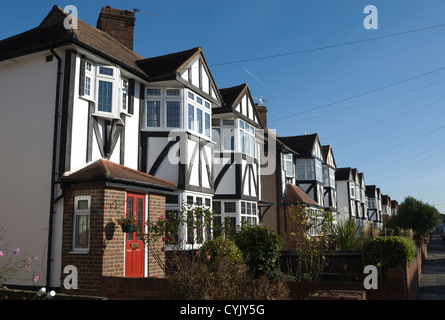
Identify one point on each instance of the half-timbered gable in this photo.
(309, 171)
(363, 199)
(176, 133)
(345, 183)
(237, 154)
(374, 204)
(329, 169)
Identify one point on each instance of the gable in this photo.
(316, 149)
(239, 101)
(196, 73)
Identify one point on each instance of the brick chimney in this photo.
(262, 112)
(117, 23)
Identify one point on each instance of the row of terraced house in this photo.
(92, 131)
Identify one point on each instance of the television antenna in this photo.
(261, 100)
(146, 12)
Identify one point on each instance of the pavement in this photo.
(432, 281)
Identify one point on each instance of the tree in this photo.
(414, 214)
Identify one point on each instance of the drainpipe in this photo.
(53, 172)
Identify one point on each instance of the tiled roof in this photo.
(302, 144)
(167, 66)
(295, 194)
(104, 170)
(52, 32)
(231, 95)
(342, 174)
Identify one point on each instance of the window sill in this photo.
(79, 252)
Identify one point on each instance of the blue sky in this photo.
(379, 103)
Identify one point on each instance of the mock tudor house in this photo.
(329, 169)
(237, 180)
(309, 164)
(280, 189)
(112, 133)
(374, 204)
(81, 138)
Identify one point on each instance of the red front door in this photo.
(134, 246)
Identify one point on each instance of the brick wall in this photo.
(106, 254)
(156, 210)
(106, 246)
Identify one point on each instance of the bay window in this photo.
(305, 169)
(198, 118)
(163, 108)
(105, 86)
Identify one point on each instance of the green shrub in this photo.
(388, 252)
(260, 247)
(220, 247)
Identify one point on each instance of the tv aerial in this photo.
(260, 100)
(146, 12)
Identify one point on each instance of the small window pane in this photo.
(191, 96)
(207, 104)
(199, 100)
(216, 122)
(207, 202)
(173, 92)
(229, 207)
(153, 113)
(82, 231)
(191, 117)
(190, 200)
(104, 102)
(199, 120)
(216, 205)
(87, 91)
(82, 205)
(106, 71)
(207, 125)
(153, 92)
(173, 114)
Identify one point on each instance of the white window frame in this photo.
(198, 103)
(89, 74)
(246, 146)
(163, 98)
(305, 164)
(115, 92)
(77, 213)
(287, 159)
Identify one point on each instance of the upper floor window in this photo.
(287, 165)
(198, 114)
(247, 138)
(163, 108)
(352, 187)
(305, 169)
(223, 134)
(105, 87)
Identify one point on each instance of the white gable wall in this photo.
(26, 131)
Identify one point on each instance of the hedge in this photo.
(388, 252)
